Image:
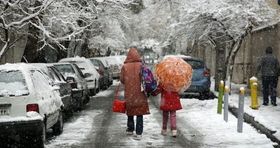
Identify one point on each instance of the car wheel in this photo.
(97, 89)
(94, 91)
(77, 104)
(58, 127)
(87, 99)
(204, 95)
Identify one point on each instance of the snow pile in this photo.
(33, 114)
(18, 119)
(265, 115)
(76, 131)
(202, 116)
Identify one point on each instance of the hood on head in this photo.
(132, 56)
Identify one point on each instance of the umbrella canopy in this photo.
(174, 74)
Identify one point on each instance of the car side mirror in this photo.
(55, 87)
(87, 75)
(70, 79)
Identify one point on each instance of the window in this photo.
(195, 64)
(54, 75)
(40, 81)
(79, 71)
(12, 83)
(65, 69)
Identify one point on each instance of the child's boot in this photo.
(164, 132)
(174, 133)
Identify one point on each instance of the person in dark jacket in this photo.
(269, 68)
(135, 99)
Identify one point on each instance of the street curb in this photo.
(260, 127)
(181, 137)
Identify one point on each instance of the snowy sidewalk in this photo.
(266, 116)
(198, 121)
(151, 134)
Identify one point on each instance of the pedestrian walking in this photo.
(169, 104)
(136, 101)
(174, 75)
(269, 68)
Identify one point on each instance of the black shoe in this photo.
(274, 104)
(265, 104)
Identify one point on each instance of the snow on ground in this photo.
(104, 93)
(151, 136)
(266, 115)
(203, 116)
(74, 132)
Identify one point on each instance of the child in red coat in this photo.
(169, 103)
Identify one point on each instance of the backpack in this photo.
(148, 82)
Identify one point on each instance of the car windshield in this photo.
(12, 83)
(65, 69)
(94, 62)
(82, 65)
(105, 62)
(195, 64)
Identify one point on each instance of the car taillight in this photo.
(74, 85)
(206, 73)
(101, 72)
(32, 107)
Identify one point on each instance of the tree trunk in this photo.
(220, 66)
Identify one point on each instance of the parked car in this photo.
(107, 68)
(150, 58)
(75, 77)
(105, 80)
(89, 71)
(64, 87)
(28, 106)
(115, 63)
(201, 82)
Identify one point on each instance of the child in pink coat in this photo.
(169, 103)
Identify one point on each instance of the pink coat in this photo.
(170, 101)
(136, 101)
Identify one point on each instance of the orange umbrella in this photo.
(174, 74)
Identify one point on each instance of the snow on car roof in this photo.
(24, 68)
(77, 58)
(17, 66)
(184, 57)
(178, 55)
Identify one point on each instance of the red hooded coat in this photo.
(136, 101)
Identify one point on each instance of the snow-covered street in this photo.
(97, 126)
(74, 73)
(198, 124)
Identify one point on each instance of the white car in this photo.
(75, 77)
(107, 67)
(116, 63)
(28, 105)
(89, 71)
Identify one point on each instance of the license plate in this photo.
(4, 111)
